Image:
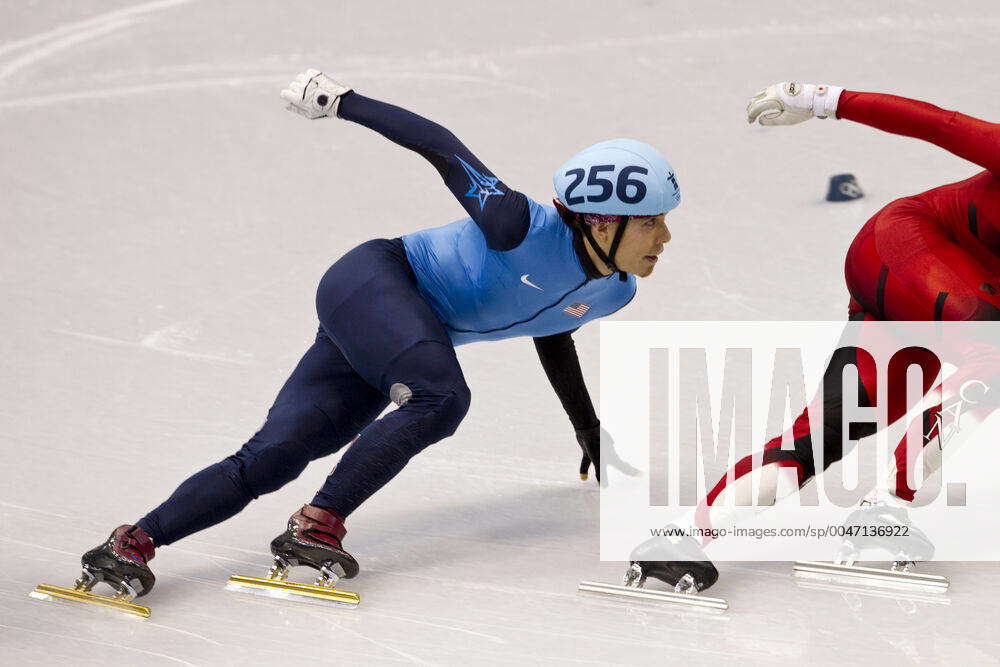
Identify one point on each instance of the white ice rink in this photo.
(165, 223)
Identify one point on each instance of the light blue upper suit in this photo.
(536, 288)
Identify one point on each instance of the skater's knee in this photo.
(306, 425)
(265, 469)
(291, 438)
(453, 409)
(428, 382)
(443, 410)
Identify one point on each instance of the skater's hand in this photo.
(590, 442)
(314, 95)
(788, 103)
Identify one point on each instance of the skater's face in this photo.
(640, 247)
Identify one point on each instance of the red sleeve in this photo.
(967, 137)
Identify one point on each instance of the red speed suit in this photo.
(931, 256)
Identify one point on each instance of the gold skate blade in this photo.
(871, 576)
(47, 592)
(688, 599)
(274, 588)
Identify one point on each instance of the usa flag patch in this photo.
(576, 309)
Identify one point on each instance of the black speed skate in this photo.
(122, 563)
(313, 539)
(677, 561)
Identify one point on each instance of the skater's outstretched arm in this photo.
(975, 140)
(788, 103)
(501, 213)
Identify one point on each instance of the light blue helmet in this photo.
(617, 177)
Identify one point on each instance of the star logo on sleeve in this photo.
(480, 187)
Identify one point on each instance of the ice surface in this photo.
(166, 221)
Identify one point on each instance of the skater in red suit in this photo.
(930, 256)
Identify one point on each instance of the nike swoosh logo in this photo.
(524, 279)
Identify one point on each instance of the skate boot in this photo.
(677, 561)
(879, 526)
(121, 562)
(313, 539)
(885, 528)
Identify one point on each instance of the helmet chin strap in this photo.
(609, 257)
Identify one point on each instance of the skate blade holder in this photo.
(871, 576)
(291, 590)
(48, 592)
(694, 600)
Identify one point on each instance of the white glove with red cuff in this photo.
(788, 103)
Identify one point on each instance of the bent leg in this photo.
(319, 409)
(433, 401)
(766, 470)
(394, 340)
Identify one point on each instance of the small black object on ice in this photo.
(844, 187)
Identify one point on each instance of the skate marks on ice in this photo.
(153, 343)
(373, 67)
(61, 38)
(113, 645)
(36, 101)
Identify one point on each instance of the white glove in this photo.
(314, 95)
(788, 103)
